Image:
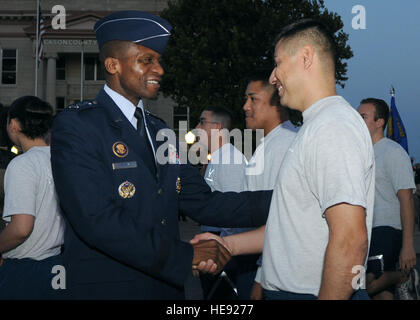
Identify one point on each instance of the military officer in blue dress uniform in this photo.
(120, 203)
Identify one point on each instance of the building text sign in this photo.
(70, 42)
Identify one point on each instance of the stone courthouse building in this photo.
(69, 70)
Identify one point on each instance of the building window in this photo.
(61, 68)
(60, 102)
(93, 69)
(8, 66)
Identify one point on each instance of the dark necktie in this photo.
(140, 123)
(143, 134)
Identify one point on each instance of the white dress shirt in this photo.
(128, 109)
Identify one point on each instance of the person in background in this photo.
(393, 216)
(224, 172)
(31, 243)
(262, 111)
(5, 156)
(416, 197)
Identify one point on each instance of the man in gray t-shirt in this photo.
(393, 214)
(318, 229)
(225, 172)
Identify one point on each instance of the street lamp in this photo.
(190, 137)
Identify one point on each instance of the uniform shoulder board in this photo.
(155, 116)
(86, 104)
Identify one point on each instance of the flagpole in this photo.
(37, 48)
(389, 124)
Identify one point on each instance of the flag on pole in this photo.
(41, 32)
(395, 129)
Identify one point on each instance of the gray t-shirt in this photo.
(29, 189)
(225, 172)
(263, 168)
(393, 173)
(331, 161)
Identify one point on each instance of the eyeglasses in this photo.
(203, 121)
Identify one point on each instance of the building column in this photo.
(51, 80)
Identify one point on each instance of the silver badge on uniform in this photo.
(126, 190)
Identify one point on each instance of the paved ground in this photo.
(193, 291)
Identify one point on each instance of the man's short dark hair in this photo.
(263, 76)
(221, 115)
(381, 109)
(313, 30)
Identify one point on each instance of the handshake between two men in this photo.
(210, 255)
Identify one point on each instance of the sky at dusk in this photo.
(386, 52)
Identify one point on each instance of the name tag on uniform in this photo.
(124, 165)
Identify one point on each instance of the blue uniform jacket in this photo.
(129, 248)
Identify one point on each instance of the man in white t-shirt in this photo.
(318, 230)
(224, 172)
(393, 215)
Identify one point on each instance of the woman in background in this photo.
(30, 245)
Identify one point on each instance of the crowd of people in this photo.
(323, 193)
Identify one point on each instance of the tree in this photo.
(215, 44)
